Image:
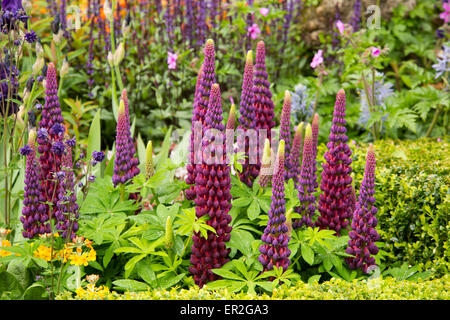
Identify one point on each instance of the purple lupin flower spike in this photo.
(213, 198)
(190, 167)
(285, 122)
(50, 144)
(275, 251)
(305, 186)
(355, 20)
(125, 164)
(262, 100)
(334, 202)
(246, 120)
(34, 213)
(293, 161)
(363, 235)
(250, 169)
(67, 213)
(315, 138)
(205, 79)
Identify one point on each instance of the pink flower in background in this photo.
(375, 52)
(317, 60)
(340, 26)
(254, 31)
(264, 11)
(172, 60)
(446, 14)
(439, 139)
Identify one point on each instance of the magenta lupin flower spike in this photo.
(363, 234)
(50, 146)
(247, 122)
(315, 138)
(262, 100)
(335, 202)
(125, 164)
(213, 198)
(306, 184)
(295, 155)
(274, 250)
(34, 216)
(205, 79)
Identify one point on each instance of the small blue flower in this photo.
(42, 134)
(91, 178)
(31, 36)
(71, 142)
(443, 64)
(58, 148)
(98, 156)
(57, 129)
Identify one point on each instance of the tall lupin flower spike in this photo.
(247, 122)
(305, 186)
(335, 201)
(34, 213)
(213, 198)
(265, 174)
(205, 79)
(50, 146)
(125, 164)
(293, 160)
(315, 138)
(67, 207)
(285, 122)
(275, 251)
(262, 100)
(363, 235)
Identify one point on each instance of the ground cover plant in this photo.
(213, 150)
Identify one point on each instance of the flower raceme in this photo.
(125, 164)
(363, 234)
(306, 183)
(293, 160)
(335, 200)
(274, 250)
(213, 198)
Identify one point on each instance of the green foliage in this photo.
(335, 289)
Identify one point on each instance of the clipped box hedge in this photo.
(335, 289)
(412, 197)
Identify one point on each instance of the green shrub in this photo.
(335, 289)
(413, 200)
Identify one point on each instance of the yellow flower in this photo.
(44, 252)
(4, 244)
(78, 260)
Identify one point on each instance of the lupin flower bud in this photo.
(363, 235)
(119, 54)
(262, 100)
(293, 163)
(285, 122)
(231, 122)
(213, 198)
(305, 185)
(334, 201)
(247, 122)
(110, 59)
(39, 49)
(275, 251)
(168, 236)
(315, 138)
(34, 213)
(37, 66)
(149, 169)
(125, 163)
(265, 174)
(107, 10)
(64, 68)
